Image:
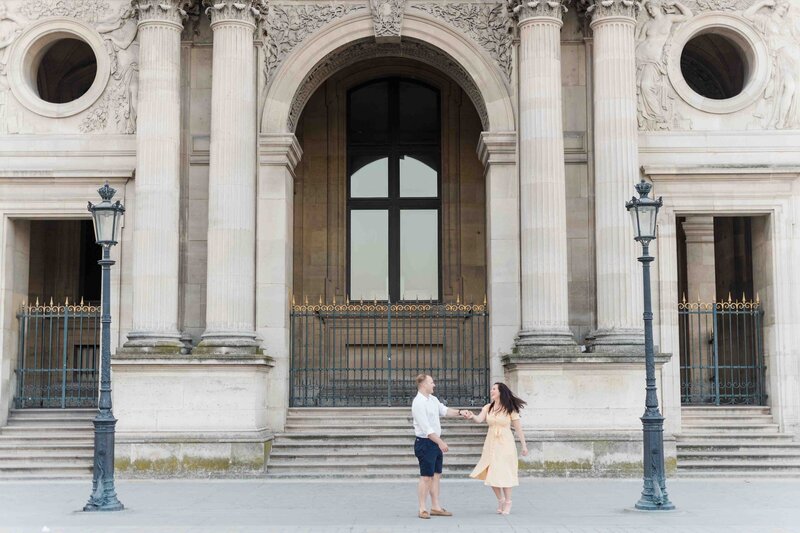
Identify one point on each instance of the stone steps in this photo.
(45, 444)
(330, 442)
(734, 441)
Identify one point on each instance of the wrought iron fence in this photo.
(722, 352)
(370, 354)
(59, 349)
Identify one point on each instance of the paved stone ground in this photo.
(540, 505)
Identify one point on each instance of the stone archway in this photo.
(313, 59)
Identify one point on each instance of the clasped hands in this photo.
(467, 415)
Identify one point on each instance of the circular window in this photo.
(714, 66)
(66, 71)
(59, 67)
(718, 63)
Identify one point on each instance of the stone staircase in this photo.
(329, 442)
(734, 441)
(47, 444)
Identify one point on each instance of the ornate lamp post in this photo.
(106, 217)
(643, 211)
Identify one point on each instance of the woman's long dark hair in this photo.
(509, 402)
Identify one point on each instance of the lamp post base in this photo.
(654, 492)
(104, 494)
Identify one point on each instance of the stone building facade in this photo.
(229, 129)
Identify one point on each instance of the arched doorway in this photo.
(389, 240)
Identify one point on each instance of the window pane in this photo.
(418, 109)
(369, 114)
(369, 254)
(370, 177)
(419, 254)
(418, 178)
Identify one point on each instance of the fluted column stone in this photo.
(154, 278)
(616, 162)
(543, 222)
(230, 298)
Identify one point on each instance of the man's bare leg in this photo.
(423, 489)
(435, 492)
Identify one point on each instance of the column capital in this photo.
(243, 11)
(162, 11)
(523, 11)
(498, 147)
(606, 9)
(279, 149)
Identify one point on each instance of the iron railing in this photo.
(369, 354)
(722, 352)
(59, 348)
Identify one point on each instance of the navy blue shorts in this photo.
(429, 455)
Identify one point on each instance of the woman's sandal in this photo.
(500, 502)
(507, 507)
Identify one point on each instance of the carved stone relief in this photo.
(287, 25)
(387, 16)
(119, 33)
(655, 99)
(778, 22)
(487, 24)
(10, 27)
(87, 10)
(368, 50)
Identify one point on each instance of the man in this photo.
(429, 446)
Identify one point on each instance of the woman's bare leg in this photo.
(498, 493)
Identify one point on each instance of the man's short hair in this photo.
(421, 378)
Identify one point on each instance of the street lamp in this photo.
(106, 217)
(643, 211)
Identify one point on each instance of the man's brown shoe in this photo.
(441, 512)
(424, 514)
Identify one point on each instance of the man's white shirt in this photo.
(426, 412)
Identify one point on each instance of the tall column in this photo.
(156, 213)
(230, 300)
(543, 221)
(616, 159)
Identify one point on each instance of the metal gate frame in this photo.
(722, 352)
(59, 350)
(368, 354)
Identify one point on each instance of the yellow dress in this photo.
(498, 465)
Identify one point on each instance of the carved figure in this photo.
(783, 38)
(654, 105)
(10, 28)
(119, 33)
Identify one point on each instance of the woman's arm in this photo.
(480, 417)
(518, 430)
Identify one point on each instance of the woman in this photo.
(498, 463)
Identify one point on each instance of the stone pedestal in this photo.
(191, 416)
(543, 243)
(583, 412)
(230, 308)
(154, 277)
(619, 278)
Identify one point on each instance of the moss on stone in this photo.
(565, 467)
(168, 465)
(670, 465)
(205, 464)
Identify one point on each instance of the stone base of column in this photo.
(222, 344)
(545, 342)
(620, 340)
(138, 345)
